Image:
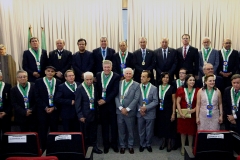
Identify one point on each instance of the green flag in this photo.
(43, 40)
(29, 35)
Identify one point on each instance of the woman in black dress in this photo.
(166, 112)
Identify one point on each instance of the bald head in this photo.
(143, 42)
(227, 43)
(60, 43)
(164, 43)
(206, 42)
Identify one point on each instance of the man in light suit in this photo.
(188, 57)
(126, 108)
(208, 55)
(144, 59)
(166, 60)
(61, 59)
(146, 111)
(86, 108)
(65, 97)
(100, 54)
(34, 60)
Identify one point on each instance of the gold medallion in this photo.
(143, 63)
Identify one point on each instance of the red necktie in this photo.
(122, 54)
(185, 53)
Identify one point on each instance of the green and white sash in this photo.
(145, 93)
(124, 89)
(90, 92)
(105, 82)
(179, 83)
(209, 95)
(50, 89)
(225, 59)
(25, 93)
(71, 87)
(37, 57)
(2, 84)
(205, 55)
(189, 97)
(235, 98)
(162, 93)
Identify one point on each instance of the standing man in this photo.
(34, 60)
(61, 59)
(182, 75)
(107, 88)
(102, 53)
(231, 101)
(122, 59)
(228, 62)
(188, 57)
(208, 55)
(86, 108)
(146, 111)
(144, 59)
(5, 107)
(82, 61)
(65, 97)
(45, 89)
(24, 104)
(126, 108)
(166, 60)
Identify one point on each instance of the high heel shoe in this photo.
(169, 146)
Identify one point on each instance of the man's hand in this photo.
(36, 74)
(73, 102)
(29, 112)
(101, 102)
(230, 117)
(124, 111)
(59, 74)
(49, 110)
(2, 114)
(82, 120)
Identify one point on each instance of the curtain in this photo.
(155, 19)
(66, 19)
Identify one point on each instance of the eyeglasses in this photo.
(20, 77)
(228, 43)
(209, 69)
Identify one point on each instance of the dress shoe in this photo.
(149, 148)
(131, 150)
(122, 150)
(106, 150)
(115, 149)
(96, 150)
(141, 149)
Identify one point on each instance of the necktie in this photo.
(185, 53)
(227, 51)
(50, 83)
(103, 53)
(73, 87)
(144, 87)
(164, 54)
(143, 54)
(122, 54)
(59, 53)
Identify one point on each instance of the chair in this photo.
(33, 158)
(67, 145)
(15, 144)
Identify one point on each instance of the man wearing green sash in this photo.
(146, 111)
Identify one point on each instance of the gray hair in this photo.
(103, 37)
(65, 74)
(87, 74)
(126, 69)
(60, 40)
(107, 62)
(206, 64)
(21, 71)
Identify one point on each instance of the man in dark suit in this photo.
(100, 54)
(45, 89)
(24, 104)
(126, 109)
(86, 108)
(5, 107)
(82, 61)
(61, 59)
(34, 60)
(228, 62)
(166, 60)
(122, 59)
(65, 97)
(188, 57)
(231, 104)
(107, 87)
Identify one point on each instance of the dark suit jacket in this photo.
(111, 91)
(64, 97)
(6, 104)
(82, 62)
(41, 95)
(166, 66)
(233, 62)
(149, 64)
(19, 106)
(218, 83)
(30, 66)
(97, 57)
(61, 65)
(191, 62)
(117, 63)
(82, 104)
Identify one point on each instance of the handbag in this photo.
(185, 112)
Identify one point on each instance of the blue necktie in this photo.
(103, 53)
(143, 54)
(164, 54)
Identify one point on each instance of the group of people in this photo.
(120, 90)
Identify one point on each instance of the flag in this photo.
(29, 35)
(43, 40)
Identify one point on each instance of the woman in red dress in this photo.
(186, 99)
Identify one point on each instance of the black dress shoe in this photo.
(122, 150)
(149, 148)
(96, 150)
(131, 150)
(106, 150)
(141, 149)
(115, 149)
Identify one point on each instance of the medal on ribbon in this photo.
(225, 59)
(209, 95)
(189, 97)
(90, 92)
(124, 90)
(71, 87)
(145, 93)
(2, 84)
(123, 60)
(25, 93)
(235, 98)
(105, 82)
(162, 92)
(37, 56)
(50, 89)
(205, 55)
